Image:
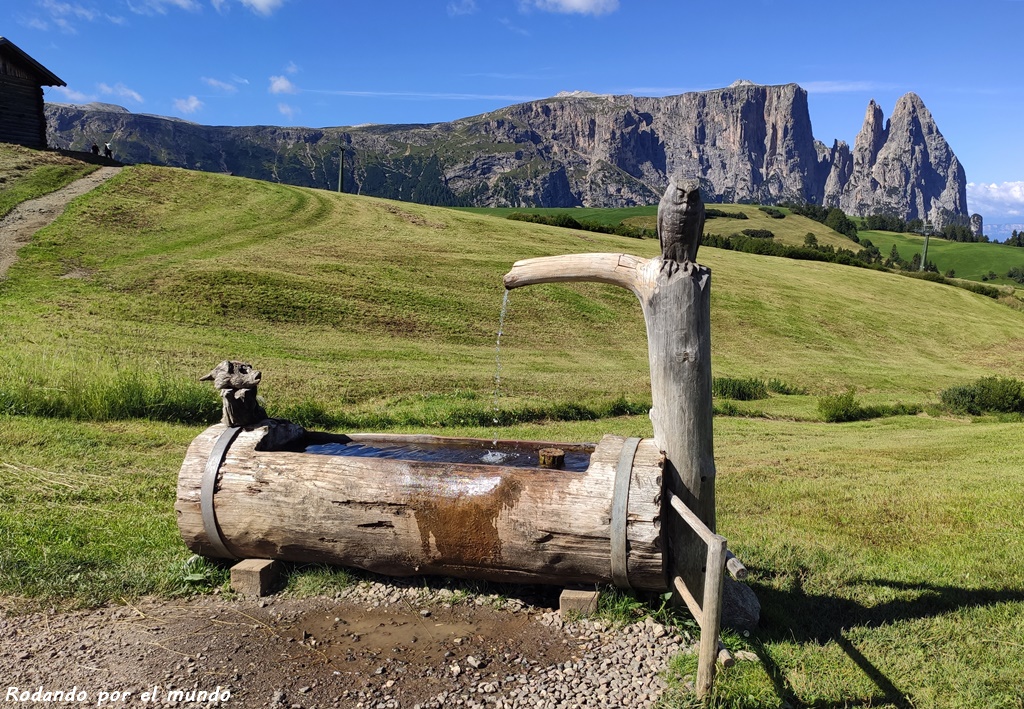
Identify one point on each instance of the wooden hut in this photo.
(22, 79)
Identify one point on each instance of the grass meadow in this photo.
(971, 261)
(790, 230)
(887, 554)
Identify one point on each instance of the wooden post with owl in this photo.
(675, 295)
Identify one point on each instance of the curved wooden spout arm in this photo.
(622, 270)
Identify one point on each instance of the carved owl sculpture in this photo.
(680, 222)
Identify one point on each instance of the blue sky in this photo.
(343, 62)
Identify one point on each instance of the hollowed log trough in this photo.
(399, 517)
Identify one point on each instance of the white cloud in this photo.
(998, 201)
(34, 23)
(188, 105)
(461, 7)
(72, 95)
(281, 85)
(67, 9)
(239, 80)
(159, 7)
(61, 15)
(292, 68)
(218, 84)
(582, 7)
(121, 91)
(507, 23)
(263, 7)
(286, 110)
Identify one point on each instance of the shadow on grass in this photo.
(796, 616)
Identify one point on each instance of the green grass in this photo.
(970, 261)
(86, 510)
(362, 306)
(886, 553)
(791, 230)
(26, 174)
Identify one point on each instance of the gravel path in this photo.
(374, 645)
(17, 228)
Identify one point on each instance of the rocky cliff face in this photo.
(745, 143)
(903, 167)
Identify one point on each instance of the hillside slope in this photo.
(357, 302)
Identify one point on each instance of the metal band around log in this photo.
(209, 487)
(620, 506)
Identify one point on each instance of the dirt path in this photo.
(17, 228)
(380, 646)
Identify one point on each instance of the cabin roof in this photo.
(46, 77)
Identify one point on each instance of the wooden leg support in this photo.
(254, 577)
(582, 602)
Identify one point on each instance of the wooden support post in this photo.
(676, 301)
(712, 609)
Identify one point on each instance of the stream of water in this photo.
(497, 362)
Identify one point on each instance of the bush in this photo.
(739, 389)
(566, 221)
(777, 386)
(562, 220)
(840, 408)
(845, 407)
(838, 221)
(712, 213)
(772, 212)
(885, 222)
(759, 233)
(987, 395)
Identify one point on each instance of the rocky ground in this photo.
(375, 644)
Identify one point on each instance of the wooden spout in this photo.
(621, 270)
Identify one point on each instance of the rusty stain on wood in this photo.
(464, 527)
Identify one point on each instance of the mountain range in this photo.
(746, 143)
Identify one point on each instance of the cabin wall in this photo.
(22, 120)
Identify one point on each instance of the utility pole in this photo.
(926, 229)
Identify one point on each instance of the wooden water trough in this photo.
(400, 517)
(639, 514)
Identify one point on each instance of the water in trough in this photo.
(486, 453)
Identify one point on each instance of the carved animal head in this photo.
(233, 375)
